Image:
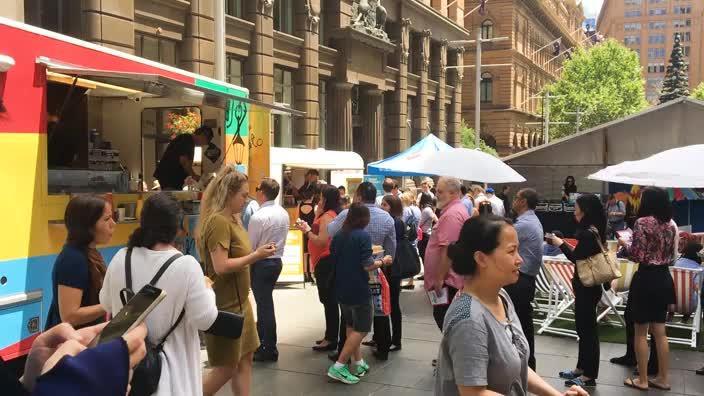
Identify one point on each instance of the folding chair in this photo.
(684, 280)
(561, 271)
(617, 306)
(546, 296)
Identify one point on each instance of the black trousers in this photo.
(439, 311)
(395, 286)
(522, 294)
(630, 336)
(382, 334)
(327, 297)
(264, 275)
(586, 300)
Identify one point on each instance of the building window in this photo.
(656, 39)
(233, 73)
(631, 26)
(283, 16)
(409, 118)
(686, 49)
(233, 8)
(486, 88)
(634, 2)
(632, 13)
(656, 25)
(682, 23)
(487, 30)
(656, 68)
(283, 96)
(321, 24)
(683, 10)
(654, 53)
(156, 48)
(684, 36)
(657, 11)
(630, 40)
(323, 109)
(656, 1)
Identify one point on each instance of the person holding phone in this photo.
(79, 269)
(151, 245)
(268, 226)
(224, 246)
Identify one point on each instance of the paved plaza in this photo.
(300, 371)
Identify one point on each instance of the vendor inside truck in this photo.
(176, 165)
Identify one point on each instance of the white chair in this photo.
(684, 280)
(561, 271)
(614, 302)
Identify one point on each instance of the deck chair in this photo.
(561, 271)
(615, 305)
(684, 280)
(546, 295)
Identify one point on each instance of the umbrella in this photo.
(398, 164)
(467, 164)
(676, 168)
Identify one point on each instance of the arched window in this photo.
(487, 29)
(487, 88)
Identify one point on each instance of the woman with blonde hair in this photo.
(224, 247)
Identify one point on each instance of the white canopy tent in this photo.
(466, 164)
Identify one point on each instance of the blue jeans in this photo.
(264, 275)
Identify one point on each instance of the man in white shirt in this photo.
(390, 188)
(497, 205)
(269, 225)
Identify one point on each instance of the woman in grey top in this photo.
(483, 349)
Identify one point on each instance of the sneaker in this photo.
(361, 370)
(343, 375)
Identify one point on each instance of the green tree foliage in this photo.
(467, 140)
(603, 82)
(676, 83)
(698, 92)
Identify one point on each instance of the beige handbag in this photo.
(600, 268)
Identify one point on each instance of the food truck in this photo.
(79, 118)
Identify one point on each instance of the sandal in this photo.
(569, 374)
(658, 386)
(629, 382)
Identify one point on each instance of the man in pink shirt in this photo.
(438, 272)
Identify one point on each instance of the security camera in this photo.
(135, 97)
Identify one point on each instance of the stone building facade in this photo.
(506, 91)
(649, 28)
(369, 74)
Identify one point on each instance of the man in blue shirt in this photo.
(530, 248)
(466, 201)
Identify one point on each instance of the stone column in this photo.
(372, 120)
(259, 66)
(306, 91)
(108, 23)
(198, 50)
(396, 136)
(454, 125)
(340, 120)
(421, 118)
(440, 100)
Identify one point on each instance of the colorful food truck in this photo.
(80, 118)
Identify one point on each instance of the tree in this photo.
(698, 92)
(603, 82)
(676, 84)
(467, 140)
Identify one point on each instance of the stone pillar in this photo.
(372, 121)
(454, 125)
(109, 23)
(259, 66)
(421, 117)
(340, 120)
(198, 49)
(397, 137)
(440, 100)
(306, 91)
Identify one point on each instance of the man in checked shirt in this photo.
(382, 232)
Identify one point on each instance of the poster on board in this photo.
(377, 181)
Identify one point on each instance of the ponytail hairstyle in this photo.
(478, 234)
(82, 214)
(160, 222)
(227, 182)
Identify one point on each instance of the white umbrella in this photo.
(466, 164)
(676, 168)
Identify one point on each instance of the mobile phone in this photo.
(132, 314)
(549, 236)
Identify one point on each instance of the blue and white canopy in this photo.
(401, 163)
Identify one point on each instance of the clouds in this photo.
(591, 7)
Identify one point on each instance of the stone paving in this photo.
(300, 371)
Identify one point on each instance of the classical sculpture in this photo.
(425, 50)
(405, 39)
(266, 7)
(313, 16)
(369, 16)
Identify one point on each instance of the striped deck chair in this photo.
(684, 279)
(561, 271)
(616, 304)
(546, 294)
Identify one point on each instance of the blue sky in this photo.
(591, 7)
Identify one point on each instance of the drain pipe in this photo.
(220, 40)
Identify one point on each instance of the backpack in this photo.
(145, 378)
(412, 228)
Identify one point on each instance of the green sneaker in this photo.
(343, 375)
(361, 370)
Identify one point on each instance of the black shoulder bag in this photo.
(145, 379)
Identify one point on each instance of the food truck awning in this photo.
(317, 159)
(202, 90)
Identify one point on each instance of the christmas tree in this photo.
(676, 82)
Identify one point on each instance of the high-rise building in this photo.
(369, 78)
(648, 27)
(541, 34)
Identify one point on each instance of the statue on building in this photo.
(405, 39)
(313, 16)
(369, 16)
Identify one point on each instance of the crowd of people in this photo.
(480, 266)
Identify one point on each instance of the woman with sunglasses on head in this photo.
(483, 350)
